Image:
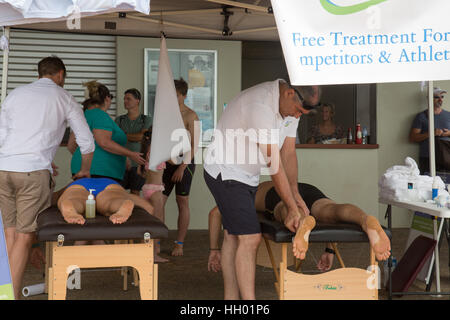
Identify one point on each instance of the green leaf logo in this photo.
(339, 10)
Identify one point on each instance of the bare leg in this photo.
(326, 210)
(183, 223)
(140, 202)
(114, 202)
(72, 204)
(246, 264)
(229, 246)
(157, 202)
(18, 258)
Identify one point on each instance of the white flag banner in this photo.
(364, 41)
(170, 139)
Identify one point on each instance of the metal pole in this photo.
(436, 235)
(5, 68)
(431, 128)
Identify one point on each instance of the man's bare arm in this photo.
(71, 143)
(194, 133)
(281, 183)
(289, 160)
(290, 163)
(416, 136)
(136, 137)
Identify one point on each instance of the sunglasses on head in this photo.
(438, 97)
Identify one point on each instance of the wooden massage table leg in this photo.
(338, 254)
(283, 266)
(138, 256)
(272, 260)
(48, 263)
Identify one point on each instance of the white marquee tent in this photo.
(196, 19)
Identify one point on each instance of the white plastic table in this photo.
(427, 208)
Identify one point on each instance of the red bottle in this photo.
(358, 138)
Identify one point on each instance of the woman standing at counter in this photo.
(326, 129)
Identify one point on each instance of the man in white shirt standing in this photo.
(257, 130)
(33, 119)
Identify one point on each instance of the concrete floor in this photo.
(187, 277)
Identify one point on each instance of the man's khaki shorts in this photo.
(23, 195)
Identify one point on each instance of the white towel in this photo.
(393, 185)
(410, 168)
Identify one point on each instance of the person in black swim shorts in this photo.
(322, 209)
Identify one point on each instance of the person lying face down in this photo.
(112, 200)
(322, 209)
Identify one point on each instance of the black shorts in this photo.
(183, 187)
(309, 193)
(132, 180)
(236, 203)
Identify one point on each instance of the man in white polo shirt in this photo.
(257, 130)
(33, 119)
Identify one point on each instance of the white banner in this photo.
(364, 41)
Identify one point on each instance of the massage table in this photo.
(61, 258)
(344, 283)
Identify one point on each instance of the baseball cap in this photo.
(438, 91)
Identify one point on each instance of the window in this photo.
(199, 69)
(350, 104)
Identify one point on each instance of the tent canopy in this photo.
(20, 12)
(194, 19)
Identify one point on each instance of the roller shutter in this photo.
(87, 57)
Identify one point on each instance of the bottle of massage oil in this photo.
(90, 205)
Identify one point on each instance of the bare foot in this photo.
(123, 213)
(159, 259)
(300, 242)
(326, 262)
(72, 216)
(377, 238)
(177, 250)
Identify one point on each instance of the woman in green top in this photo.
(110, 153)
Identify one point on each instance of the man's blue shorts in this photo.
(236, 203)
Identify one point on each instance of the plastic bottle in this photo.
(358, 138)
(349, 136)
(435, 189)
(90, 205)
(364, 135)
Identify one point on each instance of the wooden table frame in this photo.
(61, 260)
(341, 284)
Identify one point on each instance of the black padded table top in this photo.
(277, 232)
(51, 224)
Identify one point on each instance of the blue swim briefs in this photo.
(99, 184)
